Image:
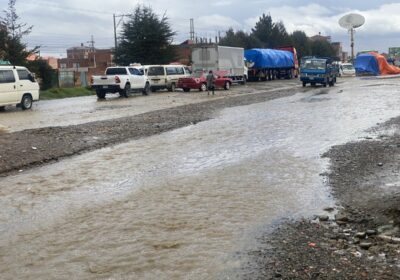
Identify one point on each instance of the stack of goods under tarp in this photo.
(269, 58)
(374, 64)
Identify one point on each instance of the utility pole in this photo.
(192, 34)
(93, 50)
(352, 44)
(116, 24)
(115, 34)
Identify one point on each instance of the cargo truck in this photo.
(221, 58)
(317, 70)
(270, 64)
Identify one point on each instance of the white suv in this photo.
(17, 87)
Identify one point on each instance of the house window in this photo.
(63, 65)
(75, 65)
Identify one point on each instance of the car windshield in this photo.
(314, 64)
(348, 67)
(155, 71)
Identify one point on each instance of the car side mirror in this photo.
(31, 77)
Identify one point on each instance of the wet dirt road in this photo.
(184, 204)
(73, 111)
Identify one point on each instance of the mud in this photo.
(364, 177)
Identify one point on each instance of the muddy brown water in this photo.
(183, 204)
(78, 110)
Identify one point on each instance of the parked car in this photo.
(165, 76)
(198, 81)
(18, 87)
(122, 80)
(347, 69)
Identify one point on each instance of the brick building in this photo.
(84, 62)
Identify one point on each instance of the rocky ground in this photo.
(33, 147)
(358, 239)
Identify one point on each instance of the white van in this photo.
(165, 76)
(17, 86)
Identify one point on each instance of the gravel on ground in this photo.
(28, 148)
(357, 239)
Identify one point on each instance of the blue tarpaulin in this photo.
(269, 58)
(366, 64)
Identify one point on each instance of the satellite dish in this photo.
(351, 21)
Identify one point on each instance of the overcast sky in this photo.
(59, 25)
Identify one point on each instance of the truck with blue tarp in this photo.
(269, 64)
(317, 70)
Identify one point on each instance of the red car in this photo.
(198, 81)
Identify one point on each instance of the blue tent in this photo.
(269, 58)
(367, 63)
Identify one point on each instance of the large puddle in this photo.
(78, 110)
(181, 205)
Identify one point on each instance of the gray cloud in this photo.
(61, 24)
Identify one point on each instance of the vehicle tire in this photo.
(203, 87)
(146, 89)
(152, 89)
(126, 90)
(26, 102)
(312, 84)
(172, 87)
(100, 94)
(2, 108)
(227, 85)
(304, 84)
(324, 84)
(186, 89)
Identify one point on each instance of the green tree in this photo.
(11, 35)
(279, 35)
(322, 48)
(44, 72)
(239, 39)
(146, 39)
(271, 34)
(263, 30)
(301, 42)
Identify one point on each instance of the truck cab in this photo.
(315, 70)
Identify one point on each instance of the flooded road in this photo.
(184, 204)
(73, 111)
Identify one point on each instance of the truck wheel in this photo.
(313, 84)
(153, 89)
(203, 87)
(186, 89)
(126, 90)
(304, 84)
(227, 85)
(2, 108)
(146, 89)
(26, 102)
(100, 94)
